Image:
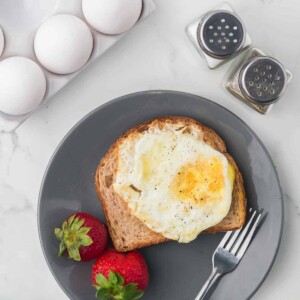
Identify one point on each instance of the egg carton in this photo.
(21, 19)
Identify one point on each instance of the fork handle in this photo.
(208, 284)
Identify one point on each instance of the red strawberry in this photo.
(84, 237)
(122, 276)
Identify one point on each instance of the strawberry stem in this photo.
(72, 236)
(113, 288)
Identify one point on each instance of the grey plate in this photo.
(177, 271)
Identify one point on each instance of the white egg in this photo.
(1, 41)
(63, 44)
(174, 183)
(112, 16)
(22, 85)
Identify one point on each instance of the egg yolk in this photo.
(199, 181)
(231, 175)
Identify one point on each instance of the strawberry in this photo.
(120, 276)
(82, 236)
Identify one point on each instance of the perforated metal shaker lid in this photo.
(263, 80)
(221, 34)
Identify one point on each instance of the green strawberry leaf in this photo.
(103, 294)
(131, 292)
(102, 281)
(62, 249)
(64, 226)
(120, 279)
(58, 233)
(77, 224)
(70, 221)
(74, 252)
(85, 240)
(113, 279)
(84, 230)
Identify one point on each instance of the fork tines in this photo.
(237, 242)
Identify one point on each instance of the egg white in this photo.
(154, 168)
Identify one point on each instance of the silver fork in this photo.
(230, 251)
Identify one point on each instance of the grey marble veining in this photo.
(155, 55)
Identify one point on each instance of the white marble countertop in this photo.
(154, 55)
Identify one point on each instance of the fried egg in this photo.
(174, 182)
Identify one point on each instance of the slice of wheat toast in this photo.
(128, 232)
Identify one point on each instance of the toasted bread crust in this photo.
(128, 232)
